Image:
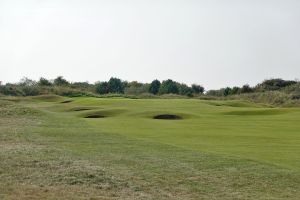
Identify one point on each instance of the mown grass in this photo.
(49, 150)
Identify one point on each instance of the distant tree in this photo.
(197, 89)
(169, 87)
(235, 90)
(227, 91)
(154, 86)
(44, 82)
(102, 88)
(27, 87)
(274, 84)
(60, 81)
(115, 85)
(183, 89)
(27, 82)
(246, 89)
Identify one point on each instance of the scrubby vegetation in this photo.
(272, 91)
(60, 86)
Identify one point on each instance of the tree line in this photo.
(61, 86)
(116, 85)
(267, 85)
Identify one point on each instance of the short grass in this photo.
(218, 150)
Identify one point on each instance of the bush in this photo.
(70, 92)
(185, 90)
(197, 89)
(102, 88)
(154, 87)
(60, 81)
(216, 93)
(246, 89)
(168, 87)
(135, 90)
(30, 91)
(115, 85)
(274, 84)
(11, 90)
(44, 82)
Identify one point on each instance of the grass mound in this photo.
(167, 117)
(67, 101)
(258, 112)
(48, 98)
(102, 113)
(8, 109)
(76, 109)
(233, 103)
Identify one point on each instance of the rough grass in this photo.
(67, 101)
(48, 98)
(233, 103)
(275, 98)
(81, 108)
(258, 112)
(48, 152)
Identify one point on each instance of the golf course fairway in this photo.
(118, 148)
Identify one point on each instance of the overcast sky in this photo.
(215, 43)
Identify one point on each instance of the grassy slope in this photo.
(262, 134)
(221, 150)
